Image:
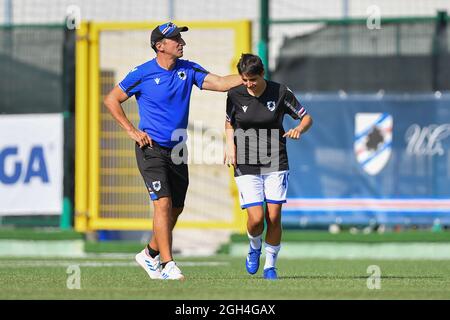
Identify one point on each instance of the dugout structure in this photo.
(109, 191)
(401, 54)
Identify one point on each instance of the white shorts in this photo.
(254, 189)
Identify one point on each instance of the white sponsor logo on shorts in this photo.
(156, 185)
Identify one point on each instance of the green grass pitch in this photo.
(223, 278)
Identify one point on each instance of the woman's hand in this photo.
(229, 157)
(294, 133)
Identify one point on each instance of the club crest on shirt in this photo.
(271, 105)
(156, 185)
(244, 108)
(182, 75)
(157, 80)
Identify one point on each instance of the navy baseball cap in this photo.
(166, 30)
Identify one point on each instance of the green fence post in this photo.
(263, 45)
(65, 223)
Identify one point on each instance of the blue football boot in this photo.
(252, 261)
(270, 274)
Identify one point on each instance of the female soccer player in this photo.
(256, 147)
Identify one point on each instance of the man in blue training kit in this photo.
(162, 87)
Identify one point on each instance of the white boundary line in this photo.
(31, 263)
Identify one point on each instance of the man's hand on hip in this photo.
(141, 137)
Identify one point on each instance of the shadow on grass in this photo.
(357, 277)
(312, 277)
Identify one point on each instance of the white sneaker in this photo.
(171, 272)
(150, 265)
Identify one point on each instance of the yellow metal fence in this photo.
(109, 192)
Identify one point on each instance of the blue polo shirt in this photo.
(163, 96)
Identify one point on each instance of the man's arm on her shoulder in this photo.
(229, 157)
(214, 82)
(113, 102)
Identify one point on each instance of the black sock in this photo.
(151, 252)
(163, 265)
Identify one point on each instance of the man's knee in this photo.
(163, 205)
(177, 211)
(175, 214)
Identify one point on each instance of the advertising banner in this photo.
(31, 164)
(371, 158)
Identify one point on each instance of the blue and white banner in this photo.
(373, 140)
(31, 164)
(371, 158)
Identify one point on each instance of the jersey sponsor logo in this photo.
(271, 105)
(157, 80)
(245, 108)
(373, 140)
(182, 75)
(156, 185)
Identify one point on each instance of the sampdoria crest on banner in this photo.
(373, 140)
